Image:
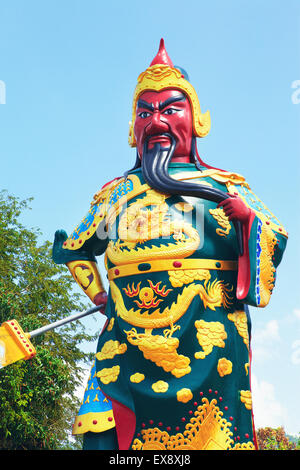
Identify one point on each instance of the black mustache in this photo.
(155, 163)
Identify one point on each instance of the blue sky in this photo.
(69, 70)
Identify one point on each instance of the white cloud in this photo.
(269, 333)
(295, 345)
(295, 357)
(263, 340)
(268, 411)
(296, 312)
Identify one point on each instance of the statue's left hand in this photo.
(235, 208)
(101, 298)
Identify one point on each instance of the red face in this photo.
(160, 112)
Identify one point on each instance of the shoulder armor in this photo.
(261, 210)
(103, 192)
(103, 200)
(96, 214)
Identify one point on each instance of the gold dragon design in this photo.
(140, 223)
(162, 350)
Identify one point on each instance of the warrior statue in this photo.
(188, 247)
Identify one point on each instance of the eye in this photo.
(170, 111)
(144, 114)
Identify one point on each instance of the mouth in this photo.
(162, 139)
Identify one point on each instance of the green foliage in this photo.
(274, 439)
(37, 397)
(295, 440)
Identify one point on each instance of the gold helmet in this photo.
(161, 75)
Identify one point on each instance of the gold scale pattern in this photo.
(206, 430)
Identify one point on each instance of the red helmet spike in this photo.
(162, 56)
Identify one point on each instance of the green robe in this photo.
(174, 361)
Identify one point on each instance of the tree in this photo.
(273, 439)
(37, 397)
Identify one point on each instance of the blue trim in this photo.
(94, 400)
(258, 253)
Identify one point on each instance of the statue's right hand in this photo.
(101, 298)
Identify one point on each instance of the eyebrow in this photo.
(144, 104)
(171, 100)
(162, 105)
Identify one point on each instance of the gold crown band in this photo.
(170, 265)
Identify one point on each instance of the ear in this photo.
(203, 125)
(131, 138)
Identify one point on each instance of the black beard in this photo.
(155, 164)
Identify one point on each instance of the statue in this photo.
(188, 247)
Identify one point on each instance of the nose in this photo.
(156, 125)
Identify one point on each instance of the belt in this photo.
(170, 265)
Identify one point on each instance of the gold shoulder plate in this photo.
(96, 214)
(251, 200)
